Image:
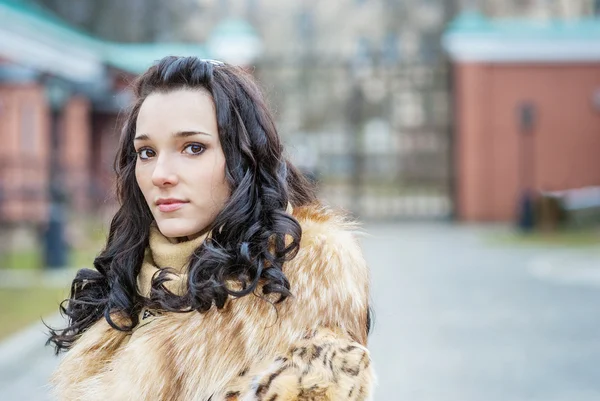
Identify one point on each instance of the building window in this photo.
(430, 48)
(391, 52)
(306, 24)
(223, 7)
(252, 7)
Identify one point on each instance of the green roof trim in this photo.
(28, 16)
(474, 23)
(472, 37)
(33, 21)
(234, 27)
(38, 11)
(136, 58)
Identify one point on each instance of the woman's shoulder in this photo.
(320, 222)
(331, 234)
(330, 263)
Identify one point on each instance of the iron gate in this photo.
(378, 140)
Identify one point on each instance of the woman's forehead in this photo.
(182, 110)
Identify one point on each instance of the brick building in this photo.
(527, 110)
(61, 92)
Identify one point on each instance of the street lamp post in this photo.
(526, 120)
(360, 68)
(55, 249)
(355, 118)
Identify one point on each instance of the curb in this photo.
(27, 341)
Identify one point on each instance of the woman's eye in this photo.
(145, 154)
(194, 149)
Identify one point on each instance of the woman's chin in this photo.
(175, 229)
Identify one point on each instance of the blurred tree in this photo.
(128, 21)
(539, 9)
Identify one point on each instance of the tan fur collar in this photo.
(251, 349)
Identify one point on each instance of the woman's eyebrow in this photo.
(178, 134)
(185, 134)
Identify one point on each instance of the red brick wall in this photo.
(565, 140)
(471, 144)
(24, 154)
(75, 148)
(25, 134)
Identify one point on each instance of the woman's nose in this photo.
(164, 174)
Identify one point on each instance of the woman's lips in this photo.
(170, 207)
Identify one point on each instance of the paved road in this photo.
(455, 320)
(26, 364)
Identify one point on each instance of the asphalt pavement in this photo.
(458, 319)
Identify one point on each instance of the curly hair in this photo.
(255, 235)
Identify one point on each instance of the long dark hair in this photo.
(255, 235)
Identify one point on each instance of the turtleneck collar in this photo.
(164, 252)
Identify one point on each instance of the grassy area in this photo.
(572, 238)
(86, 236)
(32, 259)
(25, 259)
(23, 306)
(83, 257)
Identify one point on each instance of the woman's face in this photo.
(180, 166)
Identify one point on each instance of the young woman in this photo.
(222, 278)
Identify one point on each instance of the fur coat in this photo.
(312, 346)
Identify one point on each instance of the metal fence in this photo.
(30, 206)
(23, 204)
(23, 190)
(377, 138)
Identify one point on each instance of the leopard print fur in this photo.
(323, 366)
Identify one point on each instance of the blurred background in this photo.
(464, 134)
